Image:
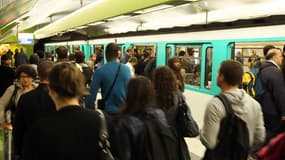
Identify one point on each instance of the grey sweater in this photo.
(244, 107)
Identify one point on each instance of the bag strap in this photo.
(226, 103)
(114, 81)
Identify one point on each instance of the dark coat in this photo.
(32, 106)
(7, 75)
(273, 103)
(72, 133)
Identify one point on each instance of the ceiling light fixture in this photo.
(152, 9)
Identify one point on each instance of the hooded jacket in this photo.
(244, 106)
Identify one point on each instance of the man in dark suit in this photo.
(32, 106)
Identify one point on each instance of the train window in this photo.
(208, 67)
(248, 52)
(142, 48)
(190, 57)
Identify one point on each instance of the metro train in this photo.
(211, 47)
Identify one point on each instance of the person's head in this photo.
(40, 54)
(61, 52)
(44, 69)
(139, 96)
(6, 60)
(66, 82)
(92, 57)
(190, 51)
(165, 86)
(275, 55)
(230, 74)
(111, 52)
(181, 53)
(34, 59)
(174, 63)
(26, 74)
(253, 52)
(133, 60)
(48, 56)
(267, 48)
(130, 51)
(79, 57)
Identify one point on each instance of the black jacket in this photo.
(32, 106)
(72, 133)
(7, 75)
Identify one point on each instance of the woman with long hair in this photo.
(167, 98)
(139, 104)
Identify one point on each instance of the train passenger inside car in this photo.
(72, 132)
(243, 106)
(112, 78)
(32, 106)
(175, 65)
(127, 55)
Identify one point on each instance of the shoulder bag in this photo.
(186, 125)
(104, 143)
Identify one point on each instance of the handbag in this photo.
(101, 102)
(186, 125)
(104, 143)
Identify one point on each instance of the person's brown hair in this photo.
(232, 71)
(27, 69)
(165, 87)
(67, 80)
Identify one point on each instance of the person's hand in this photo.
(6, 126)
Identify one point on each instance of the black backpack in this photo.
(233, 137)
(159, 141)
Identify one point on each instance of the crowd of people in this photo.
(57, 117)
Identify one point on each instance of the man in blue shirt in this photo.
(104, 77)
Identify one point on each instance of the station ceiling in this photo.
(92, 18)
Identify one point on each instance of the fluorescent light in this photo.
(118, 17)
(81, 27)
(96, 23)
(152, 9)
(70, 15)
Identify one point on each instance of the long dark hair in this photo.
(139, 96)
(165, 87)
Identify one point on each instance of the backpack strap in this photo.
(226, 103)
(113, 83)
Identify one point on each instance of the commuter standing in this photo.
(72, 132)
(125, 58)
(273, 101)
(21, 58)
(175, 65)
(32, 106)
(243, 106)
(111, 73)
(7, 73)
(167, 98)
(61, 52)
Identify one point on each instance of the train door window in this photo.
(190, 57)
(248, 53)
(208, 67)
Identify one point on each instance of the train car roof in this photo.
(95, 18)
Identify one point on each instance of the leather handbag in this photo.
(101, 102)
(104, 143)
(186, 125)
